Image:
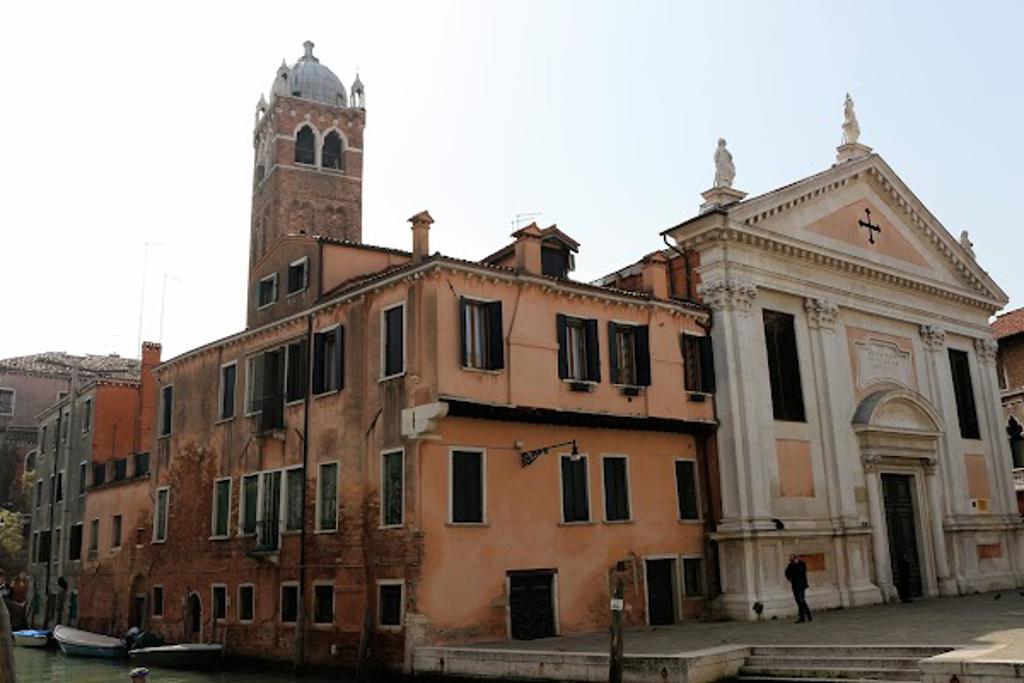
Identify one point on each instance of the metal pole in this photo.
(615, 657)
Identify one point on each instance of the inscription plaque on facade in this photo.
(879, 360)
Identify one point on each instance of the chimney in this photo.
(421, 236)
(528, 241)
(147, 396)
(654, 275)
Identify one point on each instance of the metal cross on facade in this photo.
(872, 228)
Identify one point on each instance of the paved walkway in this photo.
(974, 619)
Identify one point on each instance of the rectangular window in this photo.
(328, 360)
(6, 401)
(141, 464)
(698, 363)
(87, 415)
(158, 601)
(578, 349)
(294, 483)
(115, 532)
(575, 498)
(693, 576)
(393, 341)
(42, 440)
(220, 602)
(160, 515)
(392, 481)
(686, 489)
(83, 476)
(630, 358)
(120, 469)
(43, 547)
(75, 543)
(389, 605)
(327, 497)
(616, 489)
(783, 367)
(166, 409)
(228, 374)
(60, 486)
(483, 342)
(289, 603)
(963, 389)
(323, 603)
(253, 385)
(268, 527)
(94, 536)
(266, 291)
(272, 401)
(296, 384)
(467, 487)
(39, 493)
(99, 473)
(250, 495)
(64, 422)
(298, 275)
(246, 602)
(221, 507)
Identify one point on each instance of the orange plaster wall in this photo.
(114, 422)
(464, 567)
(859, 334)
(796, 475)
(341, 263)
(843, 225)
(977, 475)
(530, 377)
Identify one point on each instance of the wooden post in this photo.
(6, 645)
(615, 657)
(362, 663)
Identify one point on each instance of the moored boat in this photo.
(31, 637)
(181, 656)
(77, 643)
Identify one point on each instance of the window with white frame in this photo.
(578, 349)
(6, 401)
(467, 486)
(328, 360)
(327, 497)
(253, 384)
(228, 377)
(298, 275)
(390, 607)
(323, 603)
(166, 409)
(392, 487)
(163, 495)
(693, 576)
(221, 507)
(289, 603)
(266, 292)
(271, 502)
(629, 354)
(294, 487)
(115, 531)
(393, 341)
(248, 508)
(220, 602)
(482, 335)
(94, 537)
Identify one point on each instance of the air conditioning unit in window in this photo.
(980, 504)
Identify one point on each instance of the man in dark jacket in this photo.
(796, 573)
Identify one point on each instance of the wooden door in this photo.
(902, 527)
(531, 603)
(661, 591)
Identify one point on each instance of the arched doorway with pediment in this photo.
(899, 431)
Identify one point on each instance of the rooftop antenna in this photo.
(163, 300)
(520, 217)
(142, 298)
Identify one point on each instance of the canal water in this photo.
(51, 666)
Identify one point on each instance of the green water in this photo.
(50, 666)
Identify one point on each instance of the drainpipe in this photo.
(300, 626)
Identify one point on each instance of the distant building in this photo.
(1009, 332)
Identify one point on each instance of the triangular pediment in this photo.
(825, 212)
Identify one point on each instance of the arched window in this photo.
(332, 152)
(305, 146)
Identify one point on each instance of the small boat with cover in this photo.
(77, 643)
(31, 637)
(180, 656)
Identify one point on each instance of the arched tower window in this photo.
(305, 146)
(332, 156)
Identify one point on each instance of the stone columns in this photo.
(834, 411)
(879, 537)
(946, 585)
(990, 417)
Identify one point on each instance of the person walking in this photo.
(796, 573)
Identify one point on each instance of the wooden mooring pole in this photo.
(615, 656)
(6, 645)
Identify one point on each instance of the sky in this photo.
(130, 124)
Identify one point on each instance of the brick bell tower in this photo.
(308, 161)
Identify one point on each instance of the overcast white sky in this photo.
(127, 123)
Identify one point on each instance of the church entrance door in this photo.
(902, 526)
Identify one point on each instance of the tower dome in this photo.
(311, 80)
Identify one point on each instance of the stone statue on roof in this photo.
(851, 129)
(966, 243)
(725, 170)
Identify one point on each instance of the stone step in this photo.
(904, 651)
(825, 661)
(774, 679)
(834, 673)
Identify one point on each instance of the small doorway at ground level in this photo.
(531, 604)
(661, 591)
(138, 614)
(194, 620)
(897, 492)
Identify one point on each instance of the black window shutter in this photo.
(686, 488)
(495, 336)
(613, 353)
(467, 499)
(318, 363)
(593, 352)
(643, 355)
(707, 365)
(462, 331)
(339, 358)
(963, 391)
(395, 341)
(563, 358)
(783, 367)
